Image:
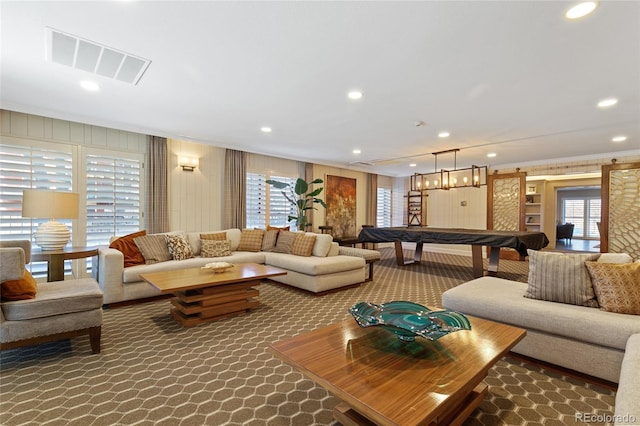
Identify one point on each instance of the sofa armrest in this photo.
(107, 269)
(627, 410)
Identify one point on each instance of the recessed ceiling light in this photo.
(581, 9)
(89, 85)
(443, 134)
(354, 94)
(265, 129)
(607, 102)
(412, 165)
(356, 151)
(491, 154)
(619, 139)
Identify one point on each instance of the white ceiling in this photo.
(511, 77)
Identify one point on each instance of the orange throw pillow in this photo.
(131, 252)
(22, 289)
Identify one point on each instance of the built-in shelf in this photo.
(533, 210)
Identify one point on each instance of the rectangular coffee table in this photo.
(202, 295)
(382, 380)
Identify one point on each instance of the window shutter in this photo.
(383, 215)
(256, 200)
(113, 198)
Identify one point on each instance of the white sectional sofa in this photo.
(324, 270)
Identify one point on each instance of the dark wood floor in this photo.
(578, 245)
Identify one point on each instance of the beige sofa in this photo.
(584, 339)
(324, 270)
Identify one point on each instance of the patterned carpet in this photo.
(153, 371)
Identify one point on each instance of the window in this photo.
(113, 197)
(29, 167)
(584, 214)
(267, 206)
(383, 215)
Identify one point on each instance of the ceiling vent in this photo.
(75, 52)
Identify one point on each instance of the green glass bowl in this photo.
(408, 320)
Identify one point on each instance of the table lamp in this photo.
(36, 203)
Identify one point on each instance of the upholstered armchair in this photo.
(59, 310)
(564, 232)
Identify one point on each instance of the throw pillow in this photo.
(179, 247)
(269, 240)
(285, 242)
(617, 286)
(21, 289)
(251, 240)
(153, 248)
(129, 249)
(215, 248)
(559, 277)
(615, 258)
(217, 236)
(275, 228)
(303, 245)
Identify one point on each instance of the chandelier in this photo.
(474, 176)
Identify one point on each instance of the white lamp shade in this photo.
(49, 204)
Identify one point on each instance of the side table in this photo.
(56, 258)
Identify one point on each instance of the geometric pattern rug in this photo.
(152, 371)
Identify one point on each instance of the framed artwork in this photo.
(341, 205)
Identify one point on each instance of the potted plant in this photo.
(300, 197)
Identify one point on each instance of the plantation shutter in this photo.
(113, 198)
(279, 207)
(256, 200)
(383, 215)
(27, 167)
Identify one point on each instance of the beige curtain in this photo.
(372, 199)
(235, 190)
(157, 216)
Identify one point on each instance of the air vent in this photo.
(75, 52)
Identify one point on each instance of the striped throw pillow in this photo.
(153, 248)
(559, 277)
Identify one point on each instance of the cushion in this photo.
(275, 228)
(322, 244)
(285, 242)
(153, 248)
(303, 245)
(216, 236)
(615, 258)
(269, 239)
(560, 277)
(617, 286)
(251, 240)
(20, 289)
(179, 247)
(131, 252)
(215, 248)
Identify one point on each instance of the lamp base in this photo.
(52, 235)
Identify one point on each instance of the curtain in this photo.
(235, 190)
(157, 189)
(372, 199)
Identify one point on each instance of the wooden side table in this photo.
(56, 258)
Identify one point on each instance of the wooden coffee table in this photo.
(382, 380)
(202, 295)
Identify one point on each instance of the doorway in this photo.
(581, 207)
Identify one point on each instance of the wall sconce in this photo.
(188, 164)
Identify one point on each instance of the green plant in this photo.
(300, 197)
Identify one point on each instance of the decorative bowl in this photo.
(218, 267)
(408, 320)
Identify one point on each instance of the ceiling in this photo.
(512, 78)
